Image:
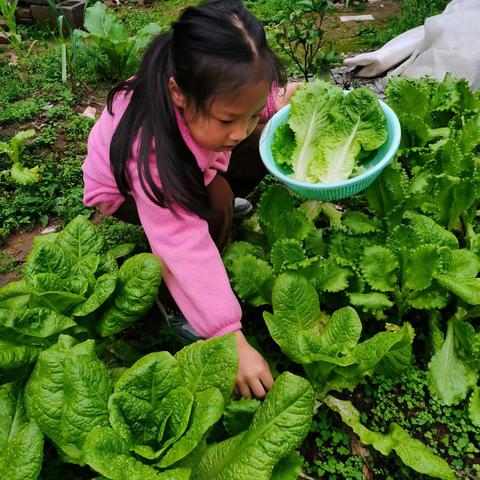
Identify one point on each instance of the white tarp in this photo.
(449, 42)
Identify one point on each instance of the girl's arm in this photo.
(193, 269)
(197, 280)
(284, 95)
(278, 98)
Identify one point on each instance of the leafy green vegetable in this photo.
(21, 441)
(278, 426)
(67, 394)
(137, 285)
(13, 148)
(450, 377)
(331, 131)
(116, 54)
(412, 452)
(71, 280)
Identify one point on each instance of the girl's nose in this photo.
(239, 132)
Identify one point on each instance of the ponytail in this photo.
(150, 113)
(216, 47)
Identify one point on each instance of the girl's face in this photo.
(231, 118)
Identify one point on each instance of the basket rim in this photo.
(394, 132)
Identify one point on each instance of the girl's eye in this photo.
(225, 122)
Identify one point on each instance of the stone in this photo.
(90, 112)
(356, 18)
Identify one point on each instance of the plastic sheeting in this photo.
(449, 42)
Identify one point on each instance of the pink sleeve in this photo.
(100, 189)
(193, 269)
(270, 108)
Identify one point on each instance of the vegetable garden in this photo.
(366, 309)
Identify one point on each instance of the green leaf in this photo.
(80, 238)
(279, 218)
(278, 427)
(474, 407)
(109, 455)
(104, 287)
(50, 291)
(327, 276)
(434, 297)
(342, 332)
(386, 351)
(296, 322)
(347, 250)
(426, 230)
(239, 249)
(358, 223)
(468, 289)
(408, 95)
(21, 441)
(379, 268)
(16, 353)
(122, 250)
(103, 24)
(252, 279)
(370, 301)
(387, 195)
(238, 414)
(173, 415)
(129, 417)
(210, 363)
(67, 393)
(23, 175)
(42, 323)
(15, 295)
(422, 264)
(289, 467)
(207, 410)
(285, 253)
(137, 286)
(412, 452)
(151, 378)
(463, 263)
(47, 258)
(449, 378)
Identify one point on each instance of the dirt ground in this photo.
(344, 35)
(17, 247)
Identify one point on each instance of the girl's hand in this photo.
(253, 375)
(285, 94)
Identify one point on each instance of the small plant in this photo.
(300, 35)
(7, 10)
(7, 263)
(115, 54)
(13, 149)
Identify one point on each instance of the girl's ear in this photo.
(178, 98)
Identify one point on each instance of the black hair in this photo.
(214, 48)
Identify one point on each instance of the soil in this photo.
(17, 246)
(345, 34)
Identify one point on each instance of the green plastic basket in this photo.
(331, 191)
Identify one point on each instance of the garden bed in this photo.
(357, 242)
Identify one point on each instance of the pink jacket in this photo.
(193, 269)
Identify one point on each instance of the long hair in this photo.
(212, 49)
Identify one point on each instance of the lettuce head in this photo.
(328, 133)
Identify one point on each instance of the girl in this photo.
(155, 153)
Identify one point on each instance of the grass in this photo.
(413, 13)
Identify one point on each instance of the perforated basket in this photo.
(331, 191)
